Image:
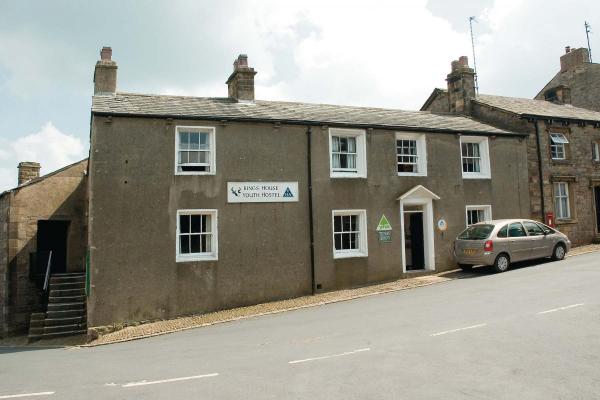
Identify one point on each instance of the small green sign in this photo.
(384, 224)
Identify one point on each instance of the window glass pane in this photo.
(338, 241)
(343, 144)
(346, 223)
(354, 223)
(203, 157)
(184, 140)
(336, 161)
(204, 141)
(351, 161)
(206, 243)
(503, 232)
(337, 223)
(184, 223)
(346, 241)
(206, 224)
(184, 244)
(351, 144)
(195, 223)
(354, 241)
(335, 143)
(343, 160)
(195, 243)
(533, 229)
(193, 157)
(194, 140)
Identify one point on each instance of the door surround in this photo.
(420, 196)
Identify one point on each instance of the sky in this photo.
(365, 53)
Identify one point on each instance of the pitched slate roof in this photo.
(540, 108)
(284, 112)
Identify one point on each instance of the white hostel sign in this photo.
(262, 192)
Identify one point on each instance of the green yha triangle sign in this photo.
(384, 224)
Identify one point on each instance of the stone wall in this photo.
(4, 205)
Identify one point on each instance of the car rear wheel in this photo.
(502, 263)
(559, 252)
(465, 267)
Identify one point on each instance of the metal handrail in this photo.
(47, 278)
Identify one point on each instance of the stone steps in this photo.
(66, 309)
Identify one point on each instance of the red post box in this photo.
(550, 219)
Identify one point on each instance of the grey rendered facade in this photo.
(265, 251)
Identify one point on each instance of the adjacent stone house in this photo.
(199, 204)
(41, 215)
(577, 82)
(563, 145)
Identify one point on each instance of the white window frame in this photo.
(486, 208)
(362, 250)
(421, 152)
(208, 256)
(484, 154)
(558, 141)
(212, 149)
(361, 153)
(557, 204)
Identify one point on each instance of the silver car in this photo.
(500, 242)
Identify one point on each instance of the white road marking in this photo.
(185, 378)
(458, 329)
(16, 396)
(346, 353)
(561, 308)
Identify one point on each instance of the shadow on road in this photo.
(480, 271)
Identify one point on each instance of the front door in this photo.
(52, 237)
(597, 197)
(414, 241)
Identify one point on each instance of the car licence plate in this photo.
(469, 252)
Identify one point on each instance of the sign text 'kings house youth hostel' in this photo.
(262, 192)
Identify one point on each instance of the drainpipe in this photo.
(310, 208)
(540, 169)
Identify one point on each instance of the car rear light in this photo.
(488, 246)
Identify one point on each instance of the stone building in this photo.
(576, 83)
(41, 215)
(563, 144)
(198, 204)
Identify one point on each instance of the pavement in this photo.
(530, 333)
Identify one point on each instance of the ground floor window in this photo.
(349, 233)
(475, 214)
(196, 235)
(561, 200)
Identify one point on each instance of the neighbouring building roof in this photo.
(128, 104)
(539, 108)
(41, 178)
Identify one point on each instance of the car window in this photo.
(476, 232)
(503, 232)
(547, 230)
(533, 229)
(516, 230)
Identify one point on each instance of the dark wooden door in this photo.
(417, 242)
(52, 236)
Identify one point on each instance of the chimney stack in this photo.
(28, 171)
(240, 83)
(105, 74)
(461, 85)
(573, 58)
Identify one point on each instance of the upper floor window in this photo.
(558, 143)
(562, 205)
(596, 150)
(411, 154)
(477, 214)
(475, 157)
(195, 150)
(349, 233)
(196, 235)
(348, 153)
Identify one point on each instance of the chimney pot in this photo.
(461, 86)
(106, 54)
(567, 49)
(28, 170)
(573, 58)
(464, 61)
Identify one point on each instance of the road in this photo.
(530, 333)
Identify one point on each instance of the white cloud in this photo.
(50, 147)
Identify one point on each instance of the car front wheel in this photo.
(502, 263)
(559, 252)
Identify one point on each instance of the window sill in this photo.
(560, 161)
(566, 221)
(194, 173)
(350, 254)
(208, 257)
(412, 174)
(476, 176)
(347, 175)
